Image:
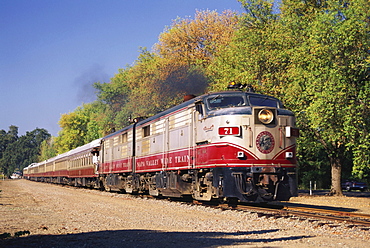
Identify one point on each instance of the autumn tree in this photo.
(195, 41)
(188, 46)
(131, 92)
(160, 79)
(176, 67)
(156, 85)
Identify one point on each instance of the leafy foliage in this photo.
(47, 149)
(196, 42)
(314, 55)
(160, 79)
(19, 152)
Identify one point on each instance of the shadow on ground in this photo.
(147, 238)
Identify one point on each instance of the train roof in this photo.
(92, 144)
(189, 103)
(159, 115)
(202, 98)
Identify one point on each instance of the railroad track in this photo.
(335, 214)
(289, 210)
(312, 213)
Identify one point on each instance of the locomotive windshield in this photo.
(228, 101)
(222, 101)
(263, 101)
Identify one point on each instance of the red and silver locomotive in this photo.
(224, 145)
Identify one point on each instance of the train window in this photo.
(146, 131)
(263, 101)
(124, 138)
(199, 109)
(222, 101)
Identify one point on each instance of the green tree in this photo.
(331, 70)
(74, 129)
(24, 151)
(314, 55)
(257, 54)
(6, 139)
(47, 149)
(112, 97)
(80, 127)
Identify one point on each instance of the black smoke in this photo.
(84, 83)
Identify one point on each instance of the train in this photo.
(232, 145)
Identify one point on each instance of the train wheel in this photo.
(232, 201)
(106, 187)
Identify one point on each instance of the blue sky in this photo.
(51, 51)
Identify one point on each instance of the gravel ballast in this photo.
(57, 216)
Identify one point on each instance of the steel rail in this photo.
(322, 214)
(329, 212)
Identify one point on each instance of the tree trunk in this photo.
(336, 171)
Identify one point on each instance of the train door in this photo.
(166, 142)
(102, 158)
(199, 121)
(112, 146)
(134, 148)
(191, 139)
(130, 149)
(95, 159)
(198, 133)
(107, 156)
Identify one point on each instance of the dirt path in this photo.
(58, 216)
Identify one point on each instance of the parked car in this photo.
(354, 185)
(16, 175)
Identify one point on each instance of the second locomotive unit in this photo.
(230, 145)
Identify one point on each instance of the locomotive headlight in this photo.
(266, 116)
